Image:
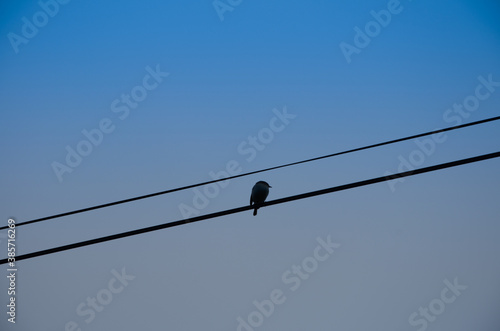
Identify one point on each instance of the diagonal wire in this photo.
(252, 172)
(269, 203)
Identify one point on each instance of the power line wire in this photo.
(252, 172)
(269, 203)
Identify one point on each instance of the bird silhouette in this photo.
(259, 194)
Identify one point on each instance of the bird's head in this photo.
(263, 183)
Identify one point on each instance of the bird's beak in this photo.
(270, 186)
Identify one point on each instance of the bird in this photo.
(259, 194)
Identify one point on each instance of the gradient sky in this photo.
(400, 243)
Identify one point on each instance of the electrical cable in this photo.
(252, 172)
(245, 208)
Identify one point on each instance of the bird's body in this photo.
(260, 192)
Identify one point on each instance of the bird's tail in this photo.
(255, 212)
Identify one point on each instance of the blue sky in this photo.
(198, 89)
